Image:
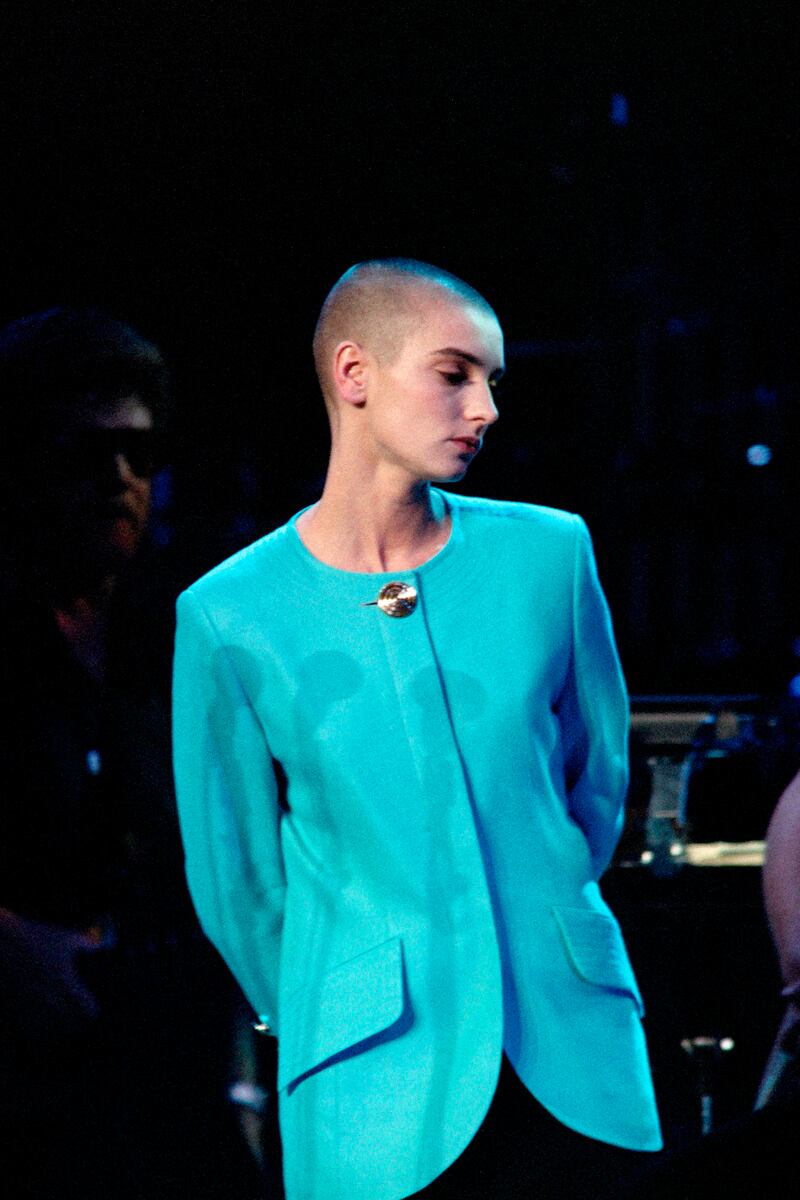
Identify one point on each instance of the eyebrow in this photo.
(470, 358)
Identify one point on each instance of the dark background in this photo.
(207, 170)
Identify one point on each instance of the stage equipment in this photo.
(706, 773)
(704, 1054)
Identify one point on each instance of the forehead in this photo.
(127, 412)
(457, 324)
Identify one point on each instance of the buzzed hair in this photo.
(376, 303)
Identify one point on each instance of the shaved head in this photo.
(378, 304)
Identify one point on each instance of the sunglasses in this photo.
(85, 453)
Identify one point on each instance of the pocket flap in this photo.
(350, 1005)
(596, 949)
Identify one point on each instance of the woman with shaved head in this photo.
(400, 750)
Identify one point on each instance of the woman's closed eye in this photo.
(454, 378)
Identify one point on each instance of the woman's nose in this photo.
(486, 408)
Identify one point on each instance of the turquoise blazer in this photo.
(394, 829)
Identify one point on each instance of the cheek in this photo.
(144, 492)
(395, 426)
(139, 494)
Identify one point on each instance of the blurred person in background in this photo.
(781, 883)
(114, 1009)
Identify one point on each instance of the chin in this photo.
(121, 541)
(450, 476)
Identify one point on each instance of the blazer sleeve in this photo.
(593, 710)
(228, 807)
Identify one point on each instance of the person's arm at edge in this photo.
(781, 885)
(228, 807)
(594, 713)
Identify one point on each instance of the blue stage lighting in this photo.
(619, 109)
(759, 455)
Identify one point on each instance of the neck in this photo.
(372, 524)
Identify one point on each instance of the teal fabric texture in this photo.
(423, 891)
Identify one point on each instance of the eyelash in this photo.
(456, 378)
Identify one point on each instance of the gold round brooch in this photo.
(396, 599)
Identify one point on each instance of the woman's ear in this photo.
(350, 372)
